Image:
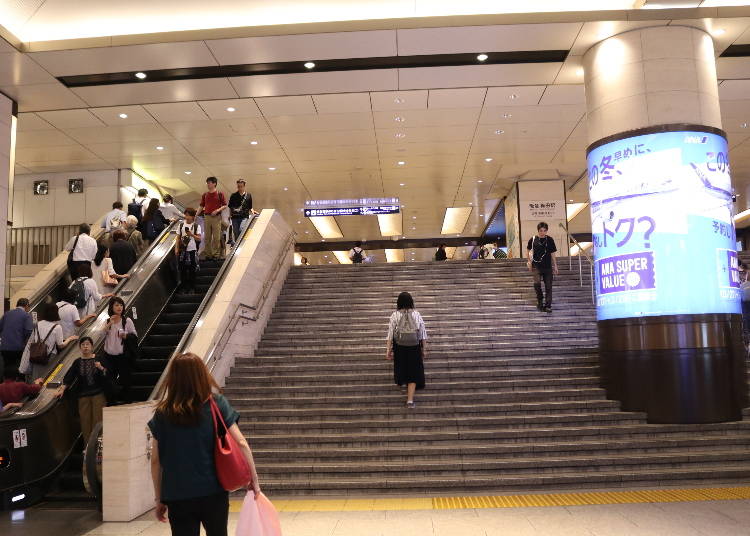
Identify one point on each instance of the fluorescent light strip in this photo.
(575, 251)
(298, 259)
(390, 224)
(450, 252)
(740, 216)
(455, 220)
(342, 256)
(327, 226)
(394, 255)
(574, 209)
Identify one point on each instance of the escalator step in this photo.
(156, 352)
(189, 308)
(146, 379)
(162, 340)
(147, 364)
(188, 298)
(176, 318)
(169, 328)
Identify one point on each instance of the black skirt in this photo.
(407, 365)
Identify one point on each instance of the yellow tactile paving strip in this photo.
(509, 501)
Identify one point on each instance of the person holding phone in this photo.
(115, 360)
(542, 262)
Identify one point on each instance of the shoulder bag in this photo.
(38, 353)
(232, 468)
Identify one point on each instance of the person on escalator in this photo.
(212, 205)
(169, 211)
(135, 237)
(70, 318)
(12, 390)
(104, 272)
(186, 250)
(88, 379)
(122, 253)
(15, 328)
(87, 295)
(153, 222)
(82, 248)
(115, 359)
(48, 331)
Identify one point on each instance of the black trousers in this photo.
(187, 516)
(188, 266)
(546, 276)
(120, 370)
(10, 360)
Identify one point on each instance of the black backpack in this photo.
(357, 258)
(154, 227)
(78, 287)
(136, 209)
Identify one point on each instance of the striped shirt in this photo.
(415, 317)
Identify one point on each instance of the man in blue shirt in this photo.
(15, 328)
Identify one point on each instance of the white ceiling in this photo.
(341, 134)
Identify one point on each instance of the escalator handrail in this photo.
(198, 316)
(66, 357)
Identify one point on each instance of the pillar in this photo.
(8, 120)
(667, 282)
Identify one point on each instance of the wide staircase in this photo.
(512, 398)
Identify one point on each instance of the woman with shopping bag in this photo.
(198, 453)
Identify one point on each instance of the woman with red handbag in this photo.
(198, 453)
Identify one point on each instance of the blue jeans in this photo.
(238, 225)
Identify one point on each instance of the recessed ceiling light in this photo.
(140, 76)
(482, 57)
(488, 159)
(480, 181)
(272, 169)
(719, 31)
(512, 96)
(399, 100)
(498, 132)
(323, 239)
(399, 119)
(481, 215)
(579, 71)
(325, 256)
(286, 189)
(570, 200)
(402, 184)
(298, 221)
(231, 109)
(309, 65)
(743, 125)
(123, 116)
(413, 228)
(400, 135)
(159, 148)
(188, 172)
(401, 163)
(471, 203)
(254, 142)
(413, 217)
(307, 232)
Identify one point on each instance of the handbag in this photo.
(232, 468)
(258, 517)
(107, 279)
(38, 354)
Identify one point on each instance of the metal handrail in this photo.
(581, 252)
(218, 280)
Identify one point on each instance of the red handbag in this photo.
(232, 468)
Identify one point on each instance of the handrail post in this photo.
(580, 268)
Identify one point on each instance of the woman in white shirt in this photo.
(407, 346)
(102, 263)
(90, 289)
(48, 330)
(117, 329)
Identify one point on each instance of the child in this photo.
(88, 377)
(186, 250)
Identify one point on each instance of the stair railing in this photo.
(581, 253)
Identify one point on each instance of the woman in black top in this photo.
(88, 378)
(122, 253)
(240, 207)
(440, 254)
(153, 222)
(182, 450)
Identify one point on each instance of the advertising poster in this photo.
(661, 216)
(543, 201)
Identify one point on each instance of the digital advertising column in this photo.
(667, 273)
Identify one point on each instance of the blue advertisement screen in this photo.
(661, 216)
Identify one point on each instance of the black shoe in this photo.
(540, 306)
(548, 309)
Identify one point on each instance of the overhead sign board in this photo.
(352, 211)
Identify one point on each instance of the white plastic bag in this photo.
(258, 517)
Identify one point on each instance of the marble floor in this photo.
(714, 518)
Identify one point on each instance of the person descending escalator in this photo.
(45, 342)
(116, 360)
(542, 263)
(186, 250)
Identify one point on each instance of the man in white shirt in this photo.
(143, 200)
(186, 250)
(69, 317)
(169, 211)
(114, 218)
(83, 248)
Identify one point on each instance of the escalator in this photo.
(164, 318)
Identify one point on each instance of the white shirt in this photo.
(113, 219)
(171, 212)
(415, 317)
(113, 344)
(91, 292)
(97, 272)
(194, 228)
(68, 317)
(85, 248)
(54, 340)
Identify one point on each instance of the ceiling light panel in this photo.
(399, 100)
(525, 96)
(327, 226)
(342, 103)
(390, 224)
(315, 82)
(343, 257)
(455, 220)
(174, 112)
(218, 109)
(394, 255)
(457, 98)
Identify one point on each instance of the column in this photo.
(8, 120)
(667, 281)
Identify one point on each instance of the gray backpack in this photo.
(407, 330)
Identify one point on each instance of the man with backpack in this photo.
(137, 207)
(82, 248)
(15, 328)
(213, 203)
(357, 254)
(70, 318)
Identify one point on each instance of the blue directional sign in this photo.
(352, 211)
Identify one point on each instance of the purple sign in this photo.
(621, 273)
(734, 269)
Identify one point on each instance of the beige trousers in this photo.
(90, 410)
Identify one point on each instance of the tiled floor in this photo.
(715, 518)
